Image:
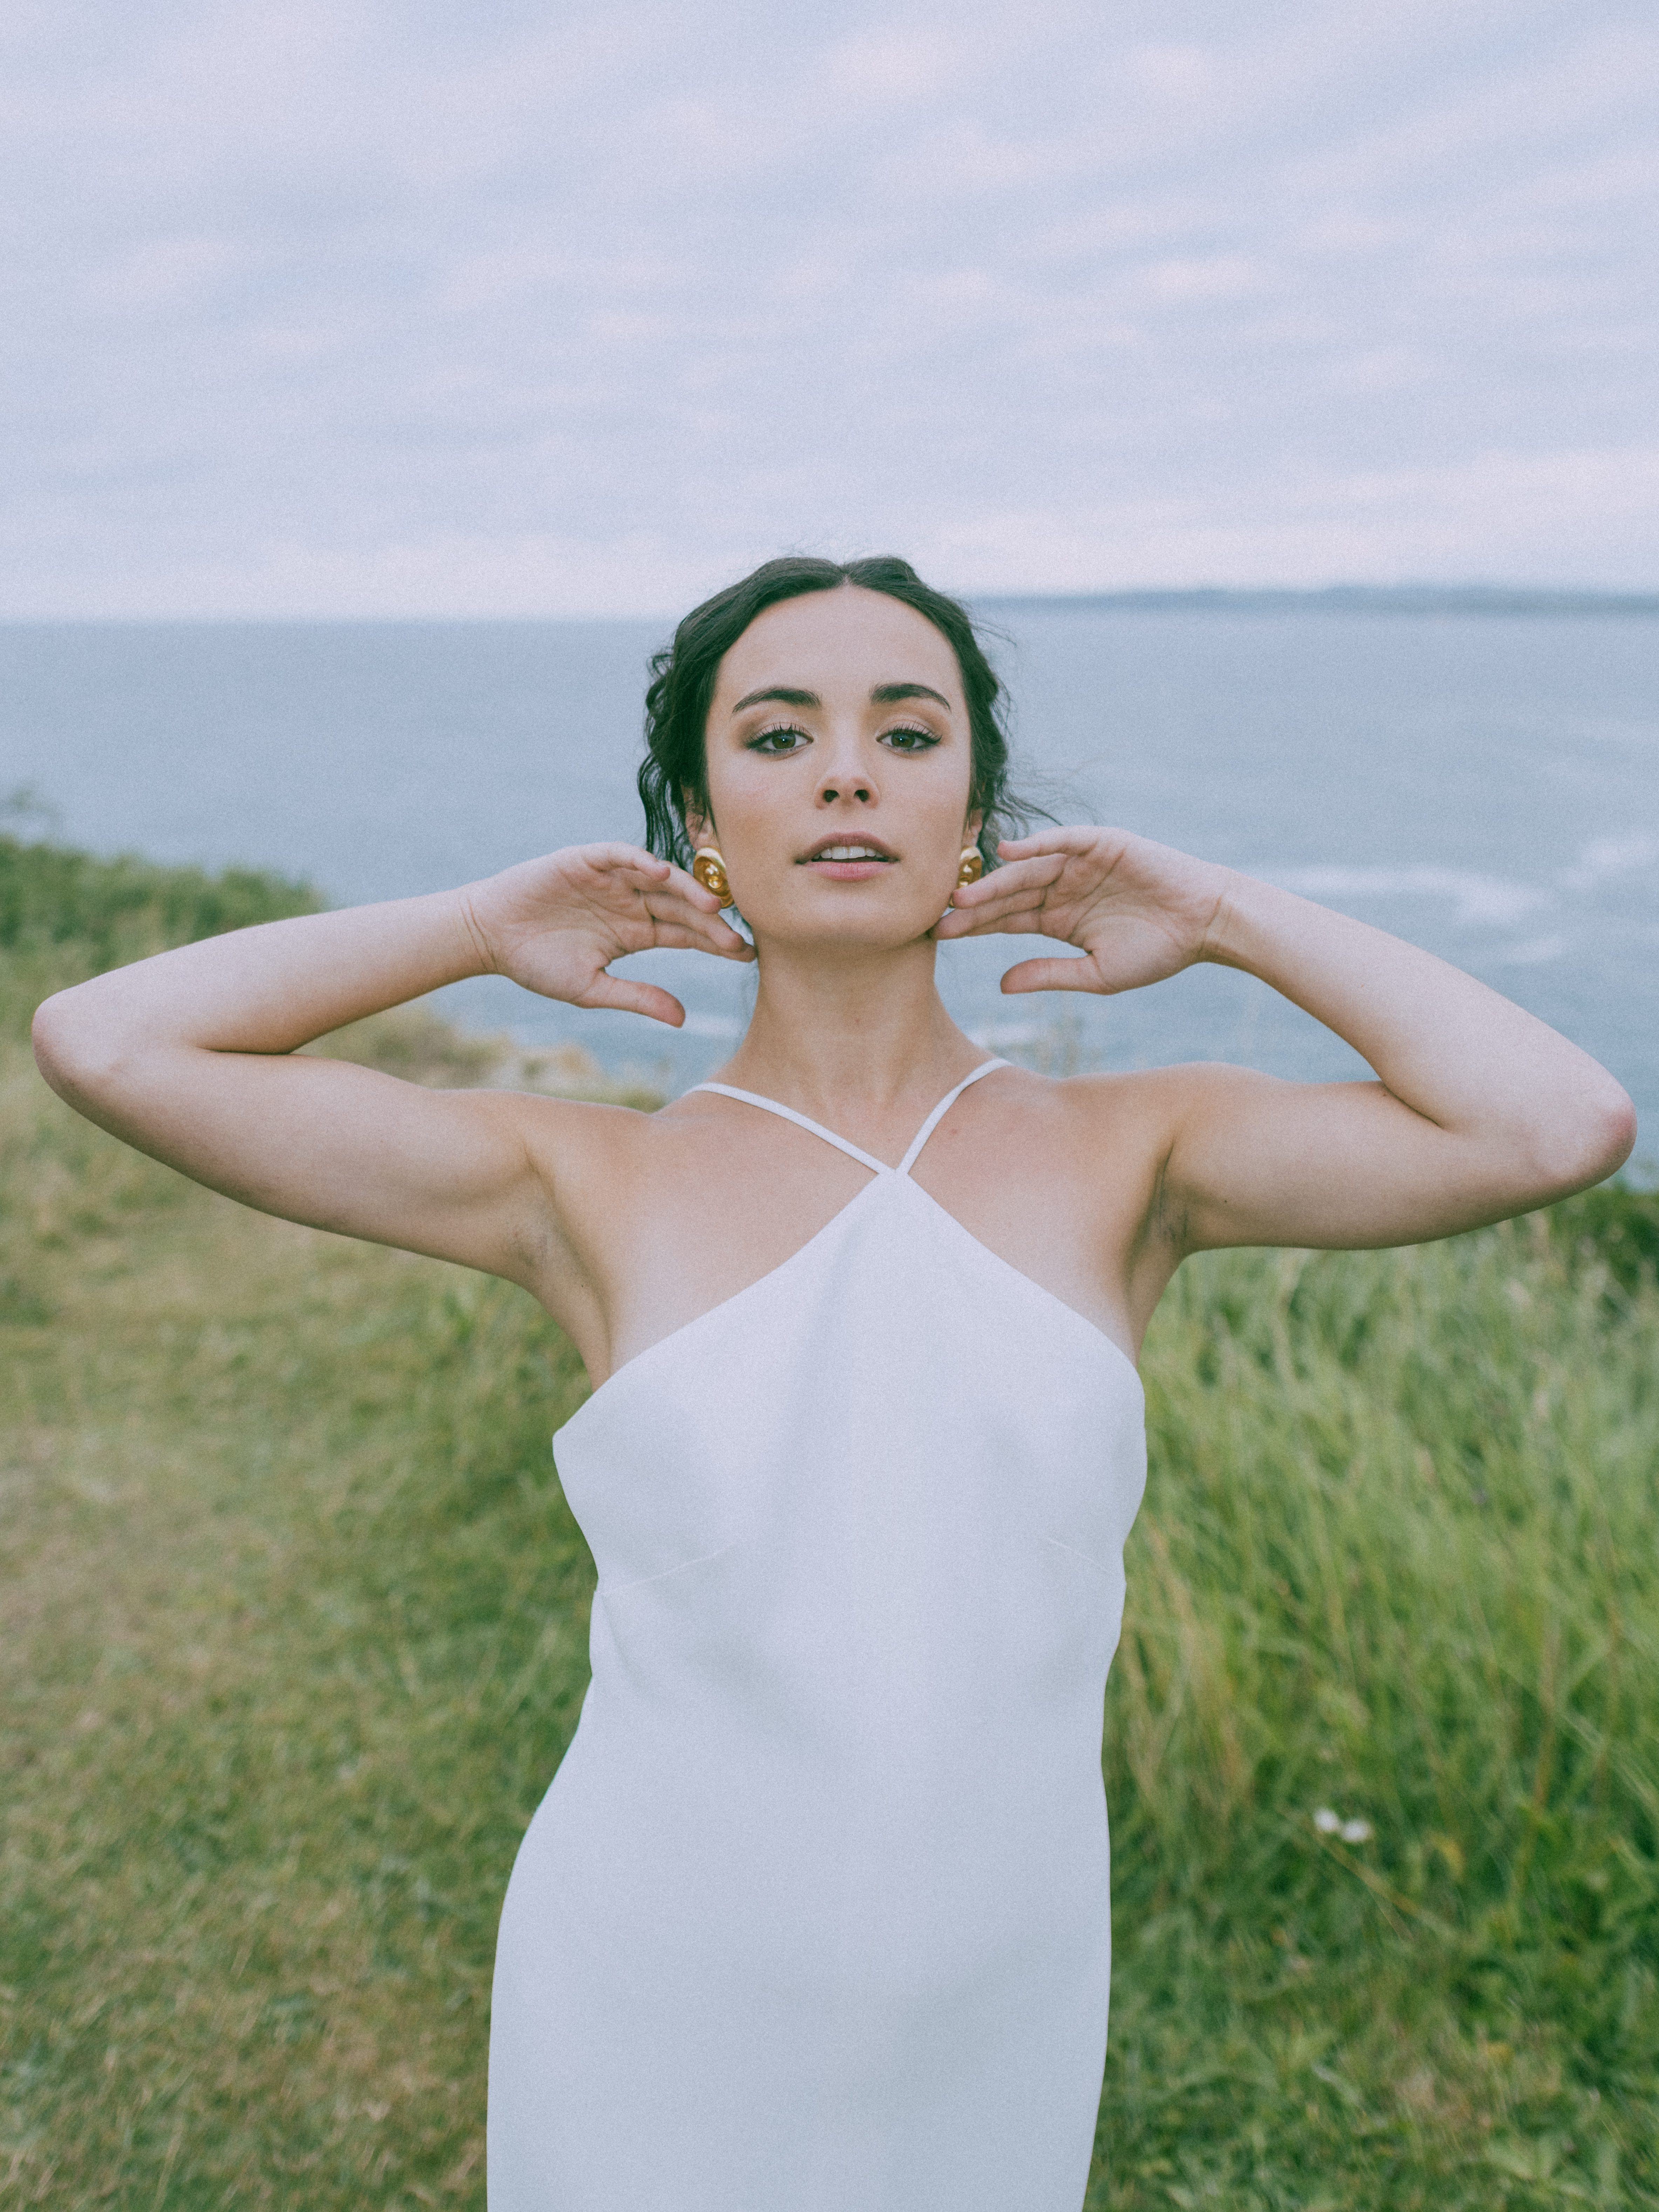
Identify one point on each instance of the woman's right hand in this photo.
(554, 925)
(190, 1055)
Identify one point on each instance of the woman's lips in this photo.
(848, 859)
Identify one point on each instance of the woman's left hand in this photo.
(1477, 1111)
(1137, 911)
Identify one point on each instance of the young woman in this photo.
(814, 1916)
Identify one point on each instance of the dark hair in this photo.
(682, 685)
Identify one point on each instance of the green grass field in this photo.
(293, 1633)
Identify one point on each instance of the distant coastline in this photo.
(1335, 599)
(1455, 600)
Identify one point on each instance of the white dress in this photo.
(814, 1916)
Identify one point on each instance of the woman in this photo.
(814, 1916)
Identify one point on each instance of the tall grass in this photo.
(66, 915)
(295, 1622)
(1398, 1566)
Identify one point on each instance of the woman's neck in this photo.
(842, 1029)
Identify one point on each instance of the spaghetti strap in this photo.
(864, 1159)
(800, 1120)
(941, 1111)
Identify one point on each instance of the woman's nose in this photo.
(840, 785)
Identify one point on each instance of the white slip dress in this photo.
(814, 1916)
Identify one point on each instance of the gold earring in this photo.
(708, 866)
(971, 866)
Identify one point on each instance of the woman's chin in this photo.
(861, 927)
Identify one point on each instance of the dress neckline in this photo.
(881, 1176)
(843, 1143)
(660, 1346)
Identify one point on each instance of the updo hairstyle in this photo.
(682, 688)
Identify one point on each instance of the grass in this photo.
(1398, 1561)
(295, 1625)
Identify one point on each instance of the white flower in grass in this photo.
(1333, 1824)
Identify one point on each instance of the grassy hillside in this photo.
(293, 1635)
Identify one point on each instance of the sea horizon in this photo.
(1544, 601)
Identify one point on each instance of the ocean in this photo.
(1480, 779)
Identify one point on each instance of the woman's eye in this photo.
(910, 740)
(779, 741)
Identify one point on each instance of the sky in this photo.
(354, 310)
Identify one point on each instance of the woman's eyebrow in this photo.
(782, 694)
(886, 694)
(881, 694)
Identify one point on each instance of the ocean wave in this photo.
(1604, 857)
(1531, 952)
(1492, 901)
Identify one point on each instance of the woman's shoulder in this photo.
(585, 1125)
(1117, 1098)
(1101, 1131)
(602, 1145)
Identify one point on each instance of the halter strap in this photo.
(800, 1120)
(864, 1159)
(941, 1111)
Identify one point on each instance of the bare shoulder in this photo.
(578, 1144)
(649, 1218)
(1147, 1111)
(1167, 1093)
(588, 1169)
(1142, 1107)
(1097, 1142)
(1155, 1104)
(593, 1159)
(1109, 1139)
(1064, 1178)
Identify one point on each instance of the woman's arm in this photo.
(1481, 1111)
(189, 1056)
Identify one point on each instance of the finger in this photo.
(664, 890)
(1039, 869)
(730, 946)
(665, 936)
(992, 913)
(681, 937)
(624, 995)
(686, 886)
(1073, 837)
(696, 909)
(622, 870)
(1010, 922)
(696, 931)
(615, 855)
(1013, 899)
(1059, 975)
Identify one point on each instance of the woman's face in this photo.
(839, 762)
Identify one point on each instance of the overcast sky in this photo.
(327, 307)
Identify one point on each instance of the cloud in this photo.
(1214, 276)
(347, 301)
(1554, 513)
(889, 63)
